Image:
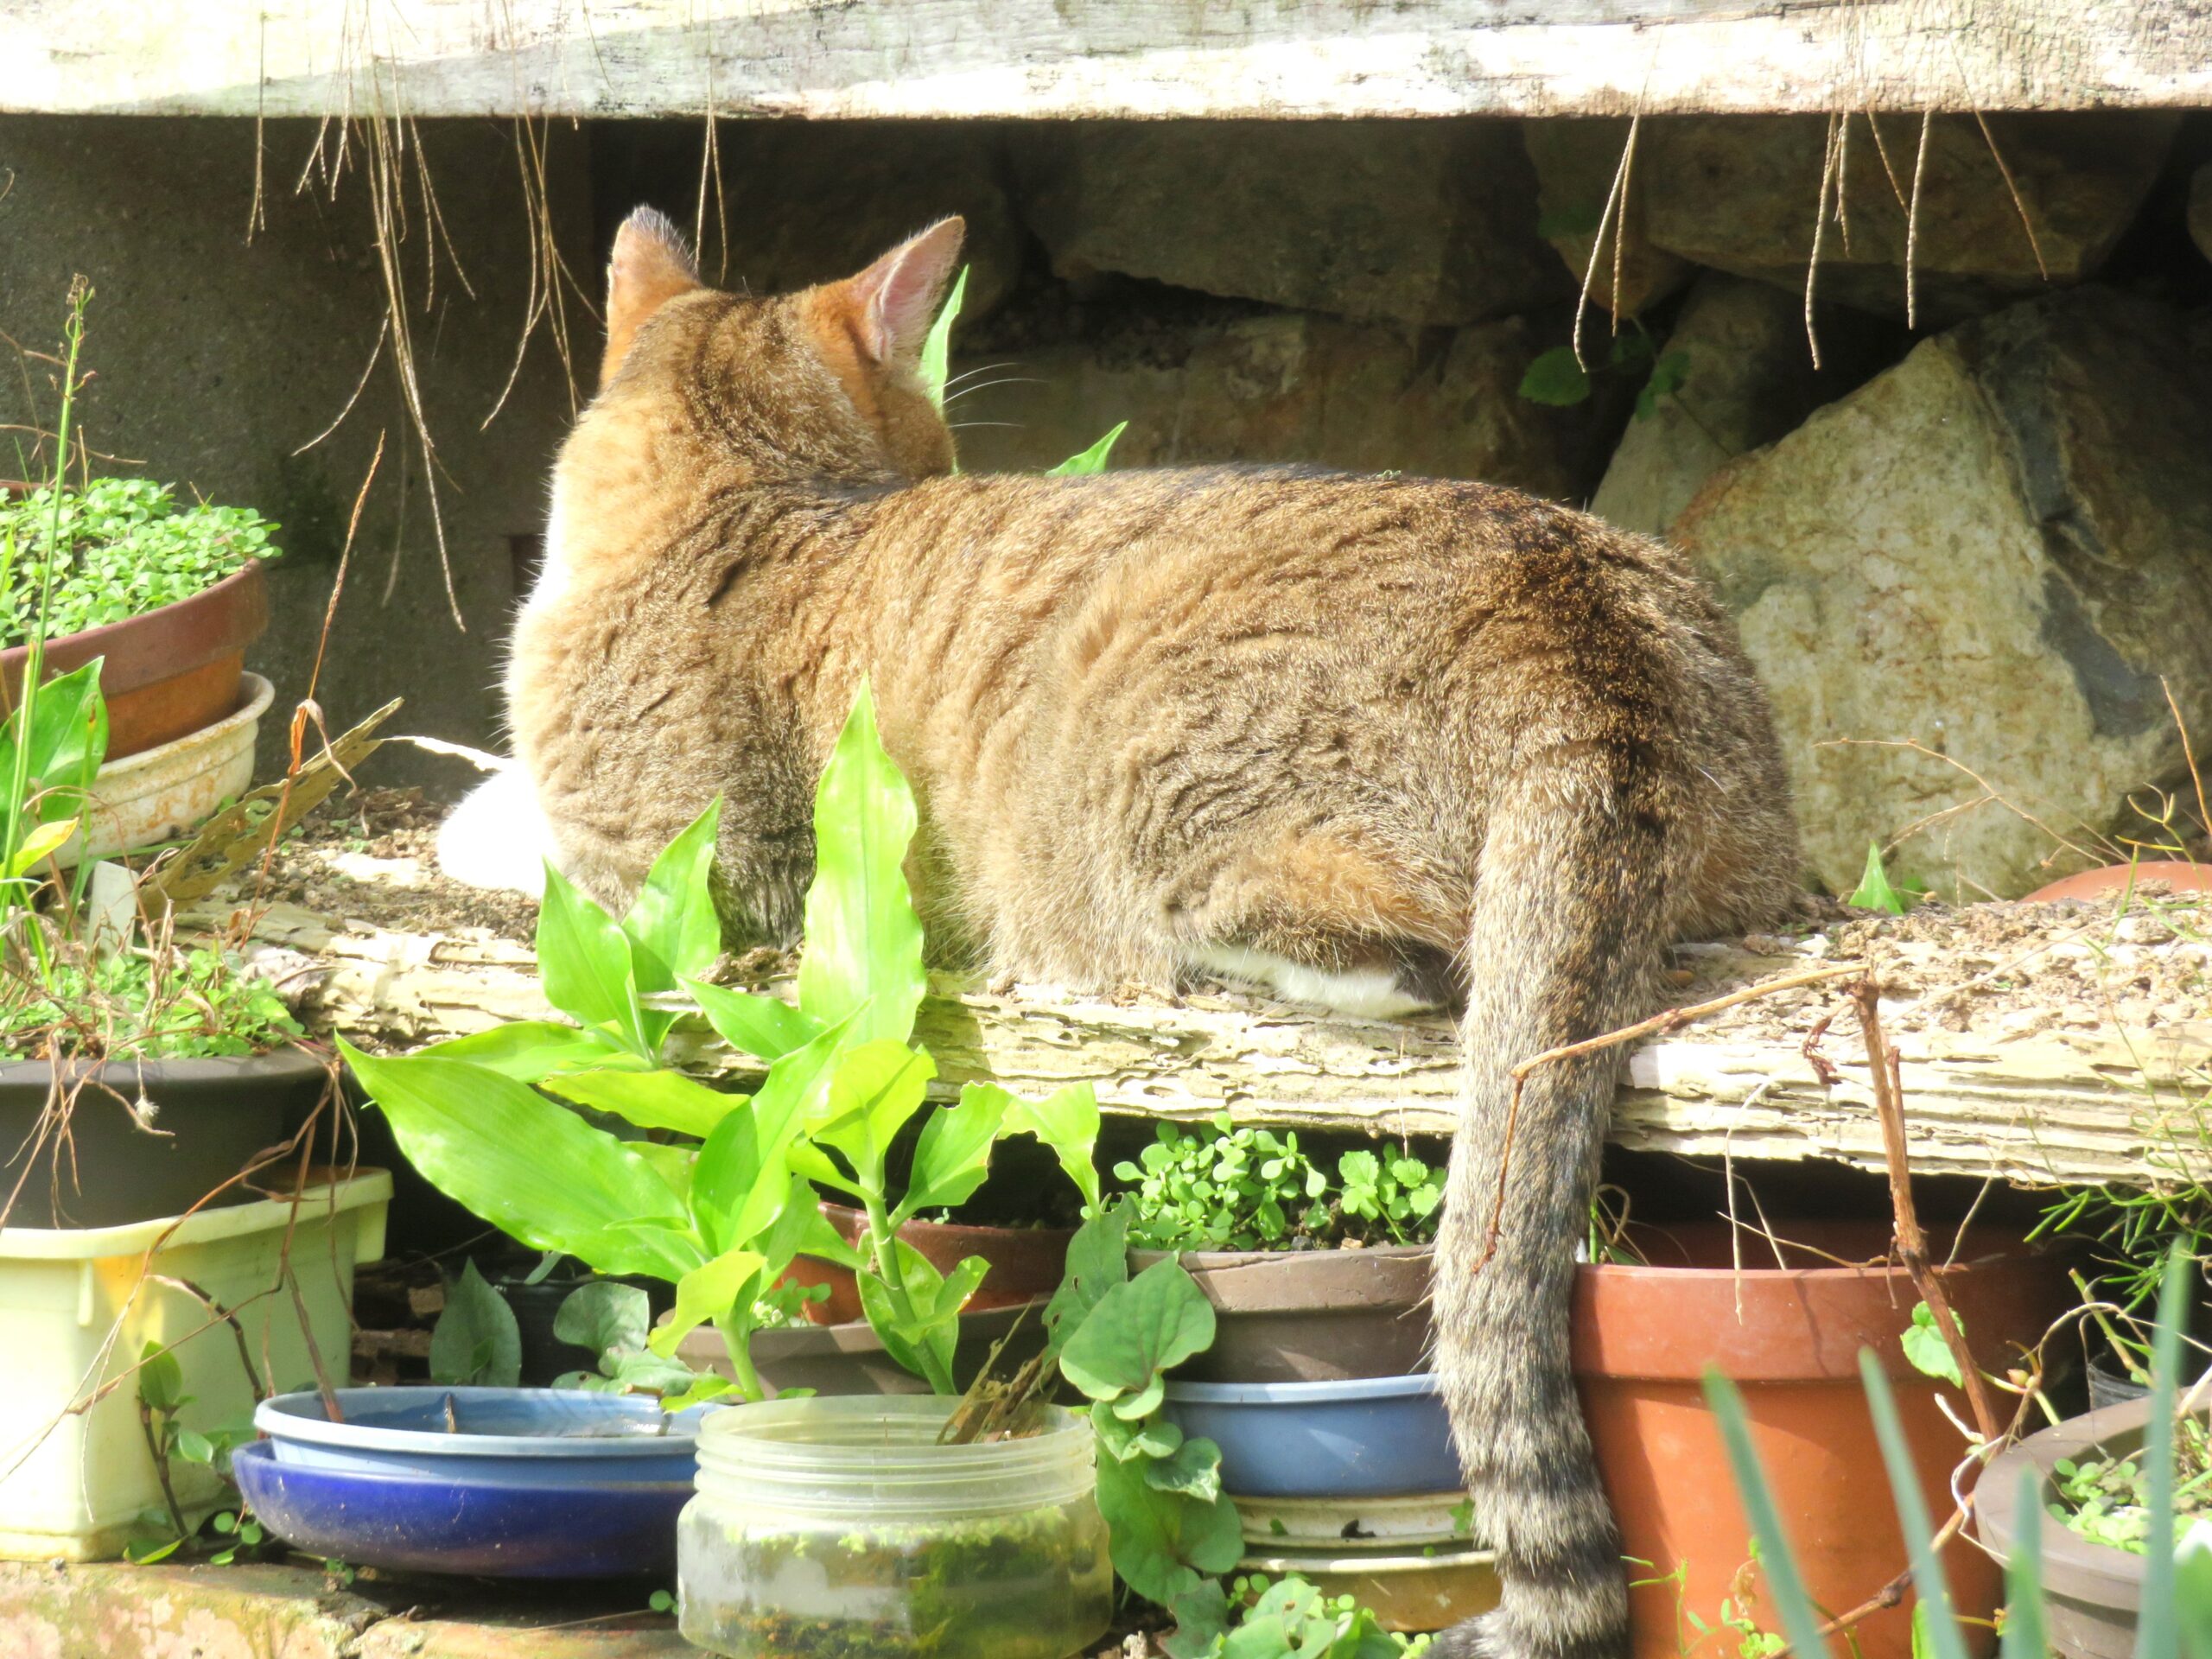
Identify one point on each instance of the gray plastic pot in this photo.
(1310, 1316)
(2091, 1591)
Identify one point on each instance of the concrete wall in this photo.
(215, 360)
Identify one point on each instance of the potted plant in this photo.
(1786, 1325)
(146, 1082)
(1313, 1277)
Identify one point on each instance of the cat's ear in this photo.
(894, 301)
(651, 266)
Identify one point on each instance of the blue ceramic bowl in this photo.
(410, 1523)
(510, 1437)
(1362, 1436)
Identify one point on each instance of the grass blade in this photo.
(1912, 1512)
(2025, 1634)
(1800, 1621)
(2158, 1632)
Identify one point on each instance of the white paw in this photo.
(497, 837)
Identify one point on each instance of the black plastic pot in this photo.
(209, 1118)
(2092, 1592)
(544, 1356)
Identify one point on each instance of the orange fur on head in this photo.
(650, 267)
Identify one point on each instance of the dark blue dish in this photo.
(413, 1523)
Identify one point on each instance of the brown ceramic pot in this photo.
(166, 674)
(1026, 1262)
(1789, 1338)
(2096, 883)
(2092, 1592)
(1310, 1316)
(833, 1359)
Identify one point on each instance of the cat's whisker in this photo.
(962, 426)
(982, 368)
(952, 398)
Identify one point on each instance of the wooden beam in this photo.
(1114, 58)
(2057, 1106)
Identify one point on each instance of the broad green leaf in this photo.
(672, 928)
(2158, 1627)
(530, 1050)
(672, 1162)
(476, 1342)
(1785, 1583)
(604, 1316)
(765, 1025)
(709, 1385)
(1138, 1331)
(876, 1087)
(69, 739)
(1092, 462)
(953, 1154)
(1066, 1121)
(648, 1373)
(863, 952)
(1192, 1468)
(801, 1229)
(531, 1167)
(937, 345)
(1152, 1438)
(41, 844)
(195, 1448)
(161, 1379)
(924, 1343)
(1098, 1259)
(708, 1291)
(743, 1170)
(1555, 378)
(1161, 1541)
(584, 960)
(2192, 1588)
(1925, 1348)
(659, 1099)
(1928, 1582)
(903, 1340)
(1875, 891)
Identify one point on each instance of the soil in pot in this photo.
(1310, 1316)
(1026, 1262)
(213, 1116)
(1790, 1338)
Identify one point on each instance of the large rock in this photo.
(1577, 159)
(810, 201)
(1421, 221)
(1743, 368)
(2200, 209)
(1742, 194)
(1296, 387)
(1994, 551)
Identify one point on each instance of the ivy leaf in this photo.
(1926, 1349)
(1192, 1468)
(1162, 1540)
(1098, 1259)
(605, 1315)
(1138, 1331)
(1555, 380)
(476, 1342)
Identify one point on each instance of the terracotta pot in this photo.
(1026, 1262)
(2092, 1592)
(2096, 883)
(833, 1359)
(1642, 1339)
(167, 673)
(1310, 1316)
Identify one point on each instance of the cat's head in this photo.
(824, 382)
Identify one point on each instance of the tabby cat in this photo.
(1369, 743)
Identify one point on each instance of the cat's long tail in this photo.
(1568, 928)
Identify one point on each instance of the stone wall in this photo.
(1966, 547)
(216, 359)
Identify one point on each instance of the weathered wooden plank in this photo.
(2061, 1105)
(1127, 58)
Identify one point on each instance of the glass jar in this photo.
(839, 1527)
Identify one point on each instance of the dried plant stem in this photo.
(1912, 223)
(1668, 1019)
(161, 1467)
(1885, 1069)
(1614, 217)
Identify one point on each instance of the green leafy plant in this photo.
(1558, 378)
(476, 1342)
(724, 1207)
(936, 364)
(114, 548)
(162, 1400)
(1289, 1616)
(1876, 891)
(1249, 1188)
